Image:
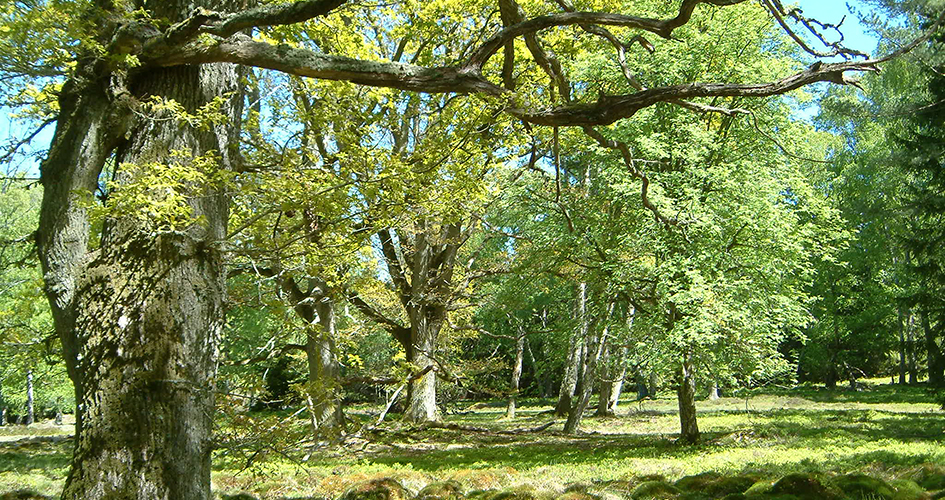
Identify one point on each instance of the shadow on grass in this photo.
(49, 458)
(872, 394)
(793, 431)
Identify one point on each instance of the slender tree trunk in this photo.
(59, 411)
(3, 407)
(686, 396)
(616, 385)
(911, 350)
(936, 368)
(575, 358)
(902, 347)
(595, 345)
(30, 414)
(516, 372)
(139, 316)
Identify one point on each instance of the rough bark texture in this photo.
(324, 370)
(140, 315)
(686, 396)
(425, 328)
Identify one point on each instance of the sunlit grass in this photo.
(886, 432)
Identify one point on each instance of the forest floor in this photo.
(886, 431)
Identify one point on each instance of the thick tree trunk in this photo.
(936, 362)
(605, 382)
(324, 371)
(575, 356)
(516, 372)
(714, 392)
(617, 384)
(425, 326)
(686, 396)
(140, 316)
(30, 413)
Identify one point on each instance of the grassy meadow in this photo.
(886, 431)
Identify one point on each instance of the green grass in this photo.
(887, 431)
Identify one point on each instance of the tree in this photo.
(152, 91)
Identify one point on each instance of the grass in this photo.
(886, 431)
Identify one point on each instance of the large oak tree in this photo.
(150, 92)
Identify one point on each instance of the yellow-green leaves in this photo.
(158, 194)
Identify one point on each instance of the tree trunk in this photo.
(323, 370)
(3, 407)
(425, 326)
(902, 347)
(516, 372)
(830, 378)
(936, 368)
(605, 382)
(59, 411)
(141, 315)
(714, 392)
(686, 396)
(30, 414)
(594, 347)
(911, 349)
(617, 384)
(575, 358)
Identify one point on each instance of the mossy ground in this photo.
(889, 432)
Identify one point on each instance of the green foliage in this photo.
(27, 339)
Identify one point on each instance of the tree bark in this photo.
(324, 371)
(605, 382)
(30, 413)
(140, 315)
(425, 327)
(714, 392)
(575, 356)
(617, 385)
(936, 366)
(902, 346)
(594, 346)
(516, 372)
(911, 349)
(686, 396)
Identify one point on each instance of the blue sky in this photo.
(832, 11)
